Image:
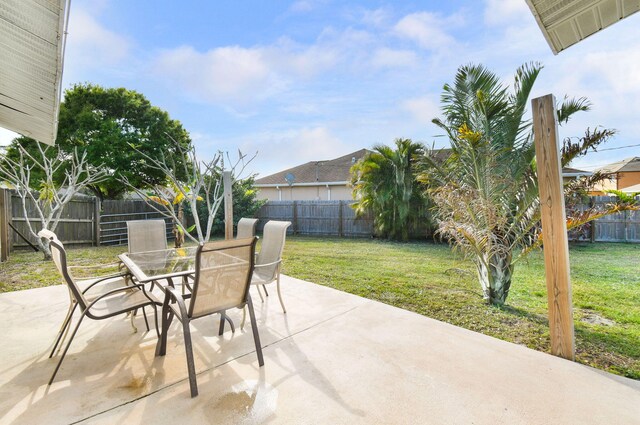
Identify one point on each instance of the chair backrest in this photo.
(246, 228)
(273, 238)
(223, 275)
(147, 235)
(59, 256)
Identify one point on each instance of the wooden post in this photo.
(4, 225)
(554, 229)
(96, 222)
(228, 204)
(592, 225)
(340, 219)
(294, 226)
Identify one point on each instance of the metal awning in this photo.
(32, 38)
(566, 22)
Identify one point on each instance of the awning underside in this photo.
(31, 50)
(566, 22)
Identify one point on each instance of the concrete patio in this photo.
(333, 358)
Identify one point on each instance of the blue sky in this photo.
(315, 79)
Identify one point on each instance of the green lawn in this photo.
(431, 280)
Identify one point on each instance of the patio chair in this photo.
(222, 279)
(268, 261)
(246, 228)
(147, 235)
(98, 299)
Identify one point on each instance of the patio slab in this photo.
(333, 358)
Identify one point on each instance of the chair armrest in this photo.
(106, 277)
(173, 293)
(116, 290)
(257, 266)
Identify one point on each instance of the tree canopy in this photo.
(104, 124)
(384, 182)
(486, 193)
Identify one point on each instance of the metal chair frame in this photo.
(79, 299)
(174, 305)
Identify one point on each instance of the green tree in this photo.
(104, 124)
(384, 182)
(485, 193)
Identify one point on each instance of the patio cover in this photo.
(566, 22)
(32, 39)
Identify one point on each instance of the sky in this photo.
(307, 80)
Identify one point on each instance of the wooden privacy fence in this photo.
(84, 221)
(335, 218)
(331, 218)
(76, 225)
(619, 227)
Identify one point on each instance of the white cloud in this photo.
(428, 30)
(624, 76)
(304, 6)
(300, 145)
(236, 76)
(422, 109)
(377, 17)
(226, 74)
(91, 45)
(278, 150)
(6, 136)
(500, 12)
(389, 58)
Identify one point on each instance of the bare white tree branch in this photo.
(53, 196)
(190, 181)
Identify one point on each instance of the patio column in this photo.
(554, 230)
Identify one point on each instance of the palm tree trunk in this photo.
(496, 277)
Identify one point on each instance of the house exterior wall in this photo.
(628, 179)
(305, 193)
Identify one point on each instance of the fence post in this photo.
(340, 218)
(626, 226)
(228, 205)
(96, 221)
(295, 218)
(592, 225)
(4, 225)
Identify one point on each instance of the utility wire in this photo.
(619, 147)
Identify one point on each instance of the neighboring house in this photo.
(316, 180)
(329, 180)
(624, 174)
(569, 174)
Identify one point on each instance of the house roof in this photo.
(627, 165)
(574, 172)
(566, 22)
(327, 171)
(32, 38)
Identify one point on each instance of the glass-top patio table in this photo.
(153, 266)
(165, 265)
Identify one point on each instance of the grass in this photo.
(431, 280)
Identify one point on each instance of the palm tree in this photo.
(384, 182)
(486, 194)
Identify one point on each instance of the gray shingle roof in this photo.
(332, 170)
(625, 166)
